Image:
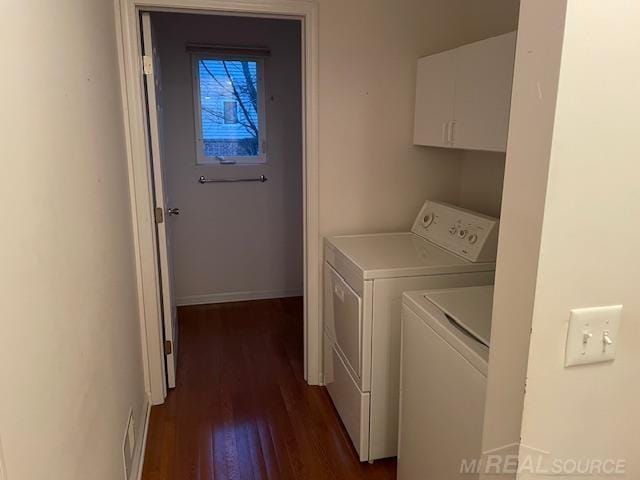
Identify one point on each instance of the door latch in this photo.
(158, 214)
(147, 64)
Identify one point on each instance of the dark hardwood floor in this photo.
(242, 409)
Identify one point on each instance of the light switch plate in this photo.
(592, 335)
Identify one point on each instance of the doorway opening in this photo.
(224, 103)
(234, 198)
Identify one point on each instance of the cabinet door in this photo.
(484, 74)
(435, 87)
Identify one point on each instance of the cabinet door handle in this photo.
(445, 132)
(451, 131)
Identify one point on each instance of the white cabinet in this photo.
(463, 96)
(434, 99)
(484, 75)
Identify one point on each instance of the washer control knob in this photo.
(427, 220)
(473, 238)
(462, 233)
(453, 230)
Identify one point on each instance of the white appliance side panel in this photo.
(344, 266)
(352, 404)
(367, 334)
(385, 353)
(442, 411)
(475, 353)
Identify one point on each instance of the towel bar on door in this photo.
(260, 179)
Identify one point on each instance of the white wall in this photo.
(371, 176)
(70, 361)
(481, 181)
(589, 248)
(533, 102)
(243, 239)
(569, 234)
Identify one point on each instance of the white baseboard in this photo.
(236, 297)
(141, 448)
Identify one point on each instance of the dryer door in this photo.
(343, 319)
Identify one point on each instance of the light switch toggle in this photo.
(592, 334)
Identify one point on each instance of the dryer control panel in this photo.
(468, 234)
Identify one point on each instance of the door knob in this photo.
(173, 211)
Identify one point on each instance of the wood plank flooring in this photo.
(242, 410)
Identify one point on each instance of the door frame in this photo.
(141, 182)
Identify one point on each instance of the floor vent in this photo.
(129, 445)
(3, 471)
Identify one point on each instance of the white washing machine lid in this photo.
(390, 255)
(469, 308)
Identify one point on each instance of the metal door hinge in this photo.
(168, 347)
(158, 214)
(147, 64)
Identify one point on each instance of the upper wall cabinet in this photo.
(463, 96)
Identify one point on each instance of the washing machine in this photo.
(364, 279)
(444, 360)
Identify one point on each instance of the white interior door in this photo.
(163, 212)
